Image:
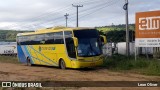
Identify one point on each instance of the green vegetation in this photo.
(141, 65)
(9, 35)
(114, 33)
(119, 36)
(8, 59)
(117, 33)
(116, 27)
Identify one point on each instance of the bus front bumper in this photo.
(85, 64)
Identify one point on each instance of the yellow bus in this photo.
(61, 47)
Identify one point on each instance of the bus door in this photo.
(70, 48)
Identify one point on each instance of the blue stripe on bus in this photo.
(28, 54)
(21, 55)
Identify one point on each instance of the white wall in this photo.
(8, 48)
(122, 49)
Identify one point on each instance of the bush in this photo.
(153, 68)
(142, 65)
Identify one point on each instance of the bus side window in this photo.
(49, 38)
(19, 40)
(23, 40)
(39, 39)
(58, 38)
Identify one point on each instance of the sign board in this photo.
(8, 48)
(148, 29)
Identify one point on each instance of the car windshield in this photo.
(88, 43)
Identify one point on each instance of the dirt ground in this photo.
(21, 72)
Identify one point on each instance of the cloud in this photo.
(26, 14)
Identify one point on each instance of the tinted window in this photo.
(68, 34)
(49, 38)
(92, 33)
(70, 44)
(58, 38)
(88, 43)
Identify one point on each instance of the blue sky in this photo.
(35, 14)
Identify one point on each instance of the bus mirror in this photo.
(75, 41)
(103, 39)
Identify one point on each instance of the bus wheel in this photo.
(62, 64)
(29, 62)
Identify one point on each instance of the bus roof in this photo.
(54, 29)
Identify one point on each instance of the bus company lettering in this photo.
(46, 48)
(149, 23)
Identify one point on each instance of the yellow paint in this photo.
(50, 54)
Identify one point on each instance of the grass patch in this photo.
(8, 59)
(141, 65)
(117, 63)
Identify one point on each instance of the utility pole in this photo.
(125, 7)
(66, 16)
(77, 6)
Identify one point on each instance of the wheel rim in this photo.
(63, 65)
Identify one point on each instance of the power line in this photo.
(71, 15)
(104, 5)
(96, 8)
(77, 6)
(41, 17)
(38, 21)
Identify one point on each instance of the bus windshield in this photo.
(88, 43)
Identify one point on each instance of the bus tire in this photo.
(62, 64)
(29, 62)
